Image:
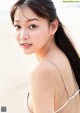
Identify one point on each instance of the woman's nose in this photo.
(24, 35)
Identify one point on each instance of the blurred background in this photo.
(14, 64)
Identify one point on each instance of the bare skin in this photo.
(47, 90)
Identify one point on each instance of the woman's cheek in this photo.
(17, 35)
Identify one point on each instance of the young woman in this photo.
(55, 80)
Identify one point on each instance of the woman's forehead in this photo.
(26, 12)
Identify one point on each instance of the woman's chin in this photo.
(28, 52)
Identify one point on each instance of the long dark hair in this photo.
(46, 9)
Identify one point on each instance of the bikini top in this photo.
(70, 98)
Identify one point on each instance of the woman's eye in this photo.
(32, 26)
(17, 27)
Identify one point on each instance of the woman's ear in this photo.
(54, 26)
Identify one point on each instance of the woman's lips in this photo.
(26, 45)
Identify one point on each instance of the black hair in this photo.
(46, 9)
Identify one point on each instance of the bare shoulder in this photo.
(44, 69)
(42, 87)
(44, 74)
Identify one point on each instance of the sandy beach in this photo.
(14, 64)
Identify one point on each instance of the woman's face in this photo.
(33, 33)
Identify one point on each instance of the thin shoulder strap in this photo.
(73, 96)
(27, 102)
(59, 73)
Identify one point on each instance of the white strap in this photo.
(73, 96)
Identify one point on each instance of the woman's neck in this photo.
(47, 52)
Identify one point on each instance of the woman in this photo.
(55, 80)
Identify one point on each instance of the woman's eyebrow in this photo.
(16, 20)
(32, 19)
(28, 20)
